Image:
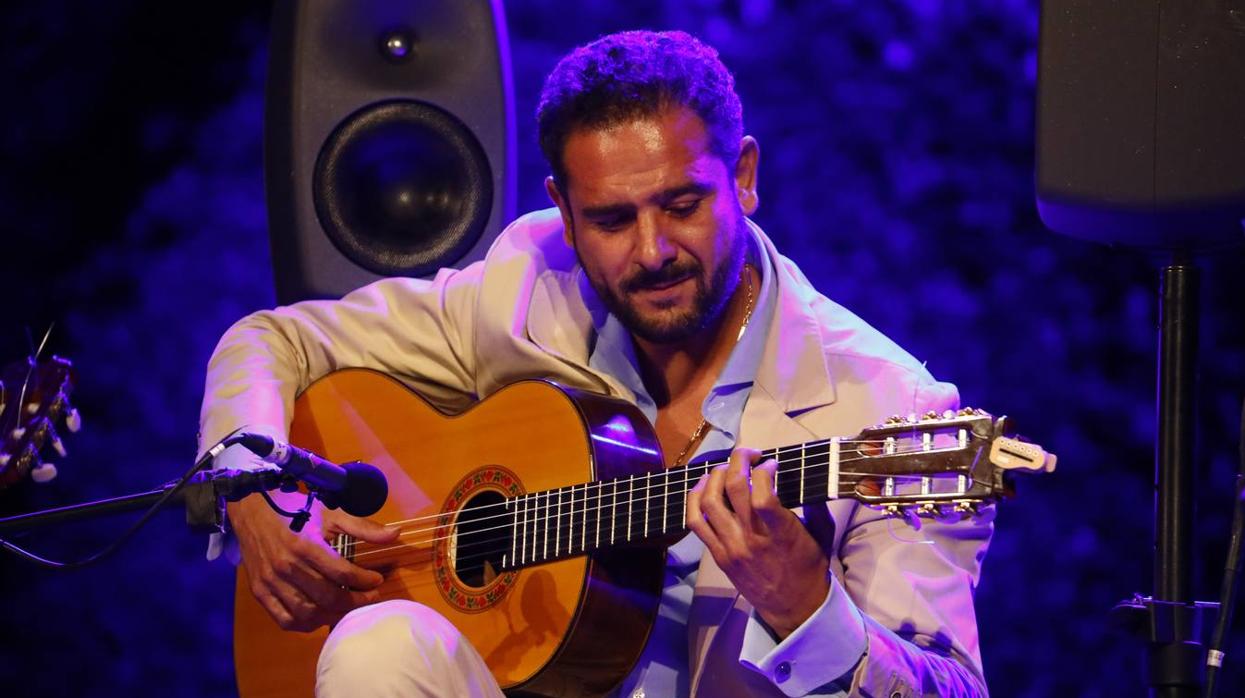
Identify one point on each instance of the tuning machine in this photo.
(905, 512)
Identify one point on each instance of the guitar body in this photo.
(538, 628)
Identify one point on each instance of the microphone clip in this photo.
(298, 518)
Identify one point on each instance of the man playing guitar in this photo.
(649, 282)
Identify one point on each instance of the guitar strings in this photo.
(647, 482)
(776, 454)
(564, 523)
(462, 560)
(547, 531)
(542, 512)
(601, 495)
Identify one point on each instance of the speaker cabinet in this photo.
(389, 140)
(1140, 126)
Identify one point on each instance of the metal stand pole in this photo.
(1175, 648)
(203, 495)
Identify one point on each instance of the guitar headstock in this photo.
(34, 399)
(941, 465)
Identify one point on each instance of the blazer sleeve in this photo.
(416, 330)
(915, 590)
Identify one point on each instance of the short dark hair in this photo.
(635, 74)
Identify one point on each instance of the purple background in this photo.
(897, 168)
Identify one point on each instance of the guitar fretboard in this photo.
(581, 518)
(569, 521)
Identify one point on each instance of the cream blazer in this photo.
(526, 311)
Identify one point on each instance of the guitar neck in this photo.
(579, 519)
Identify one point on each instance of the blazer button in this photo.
(782, 672)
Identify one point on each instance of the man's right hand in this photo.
(301, 581)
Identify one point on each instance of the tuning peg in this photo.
(57, 444)
(968, 508)
(894, 419)
(73, 420)
(911, 517)
(931, 415)
(907, 513)
(43, 473)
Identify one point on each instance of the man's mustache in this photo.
(648, 279)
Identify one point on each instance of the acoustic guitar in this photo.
(537, 520)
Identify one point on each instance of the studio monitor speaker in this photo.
(388, 138)
(1141, 120)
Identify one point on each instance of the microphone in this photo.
(359, 489)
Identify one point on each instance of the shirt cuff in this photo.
(826, 647)
(237, 458)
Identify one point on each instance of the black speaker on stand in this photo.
(1140, 143)
(389, 140)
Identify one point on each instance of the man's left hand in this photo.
(761, 546)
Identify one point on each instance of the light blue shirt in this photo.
(831, 642)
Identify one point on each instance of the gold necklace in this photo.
(701, 428)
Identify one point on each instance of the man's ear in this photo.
(746, 175)
(564, 208)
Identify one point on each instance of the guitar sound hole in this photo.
(481, 539)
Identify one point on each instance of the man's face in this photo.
(657, 221)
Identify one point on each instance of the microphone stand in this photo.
(204, 495)
(1171, 622)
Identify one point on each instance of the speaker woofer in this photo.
(400, 186)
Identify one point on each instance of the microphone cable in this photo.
(1231, 568)
(129, 533)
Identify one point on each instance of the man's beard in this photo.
(708, 302)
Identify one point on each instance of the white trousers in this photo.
(400, 649)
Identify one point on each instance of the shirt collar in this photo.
(614, 351)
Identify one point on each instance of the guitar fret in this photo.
(527, 505)
(674, 493)
(570, 522)
(665, 500)
(523, 532)
(629, 500)
(513, 530)
(647, 490)
(529, 529)
(535, 526)
(687, 482)
(685, 490)
(557, 519)
(583, 523)
(544, 548)
(613, 509)
(832, 473)
(765, 455)
(802, 462)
